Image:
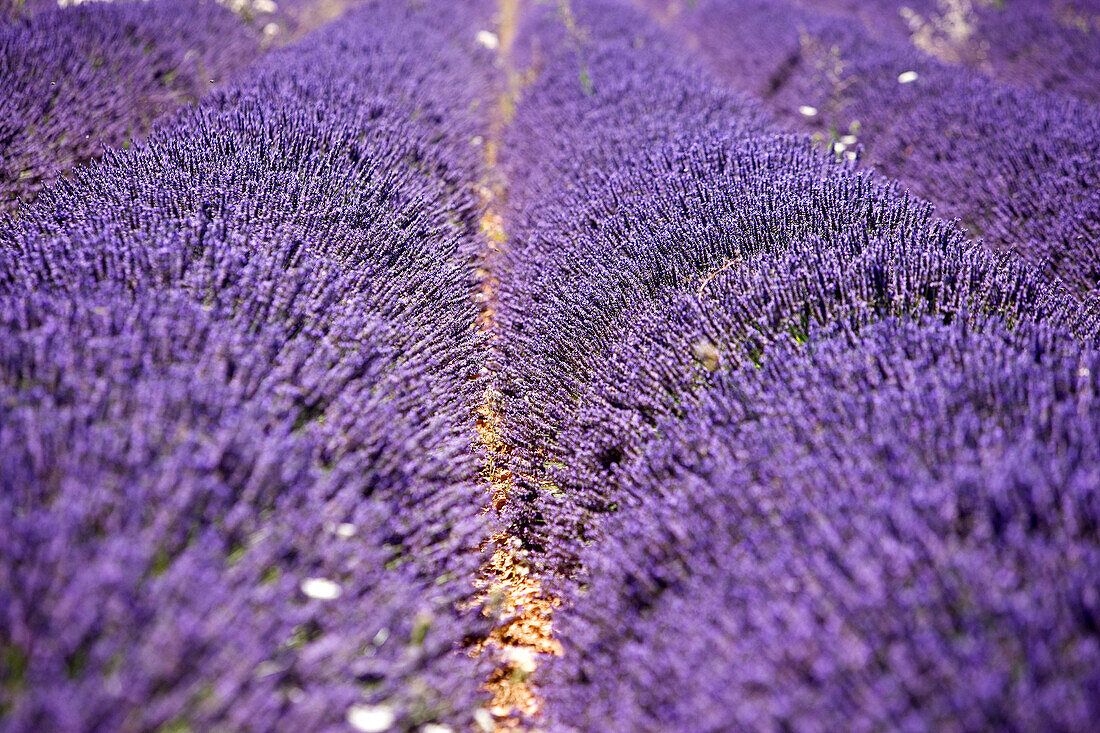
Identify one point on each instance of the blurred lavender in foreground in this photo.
(893, 528)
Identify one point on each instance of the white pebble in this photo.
(271, 29)
(907, 77)
(808, 111)
(488, 39)
(321, 589)
(264, 6)
(371, 718)
(522, 657)
(345, 530)
(484, 720)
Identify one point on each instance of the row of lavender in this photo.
(1044, 45)
(1016, 166)
(238, 374)
(820, 462)
(80, 80)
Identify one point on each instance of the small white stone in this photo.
(907, 77)
(371, 718)
(321, 588)
(484, 720)
(808, 111)
(264, 6)
(522, 657)
(271, 29)
(488, 39)
(345, 530)
(477, 141)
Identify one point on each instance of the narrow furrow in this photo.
(511, 592)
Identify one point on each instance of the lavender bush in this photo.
(83, 79)
(616, 218)
(1044, 45)
(1017, 167)
(730, 359)
(895, 528)
(239, 379)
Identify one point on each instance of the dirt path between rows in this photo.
(510, 591)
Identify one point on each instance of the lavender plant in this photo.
(82, 79)
(630, 213)
(891, 528)
(750, 386)
(1050, 46)
(1017, 167)
(239, 373)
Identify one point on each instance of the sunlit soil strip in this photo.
(510, 592)
(513, 594)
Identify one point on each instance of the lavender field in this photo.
(549, 365)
